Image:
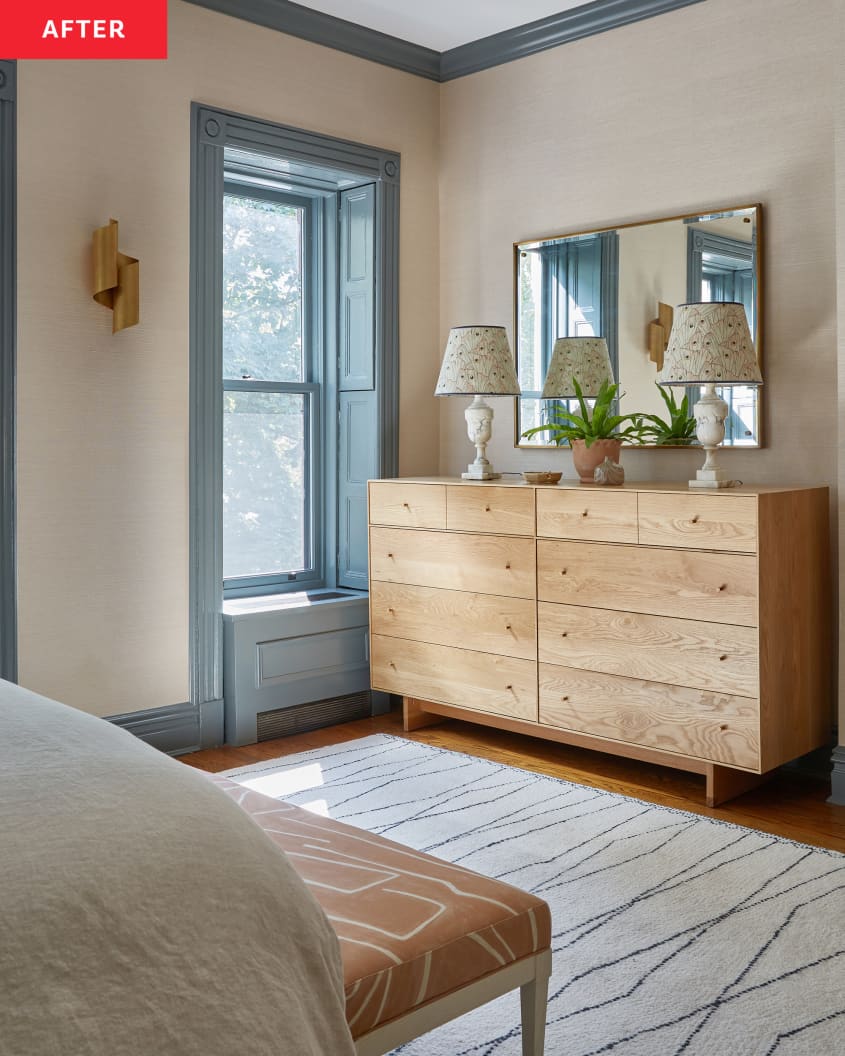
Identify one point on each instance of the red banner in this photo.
(84, 29)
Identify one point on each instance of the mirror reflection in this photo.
(621, 284)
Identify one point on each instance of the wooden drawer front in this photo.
(657, 648)
(484, 564)
(487, 508)
(609, 517)
(689, 584)
(502, 685)
(488, 623)
(714, 726)
(704, 522)
(407, 505)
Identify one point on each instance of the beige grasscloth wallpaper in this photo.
(103, 420)
(715, 104)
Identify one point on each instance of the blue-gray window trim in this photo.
(312, 388)
(8, 342)
(212, 131)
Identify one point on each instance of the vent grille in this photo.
(313, 716)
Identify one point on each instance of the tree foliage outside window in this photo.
(266, 402)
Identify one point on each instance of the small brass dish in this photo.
(545, 477)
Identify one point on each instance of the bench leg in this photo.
(533, 997)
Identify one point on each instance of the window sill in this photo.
(269, 604)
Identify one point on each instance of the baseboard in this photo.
(178, 728)
(837, 777)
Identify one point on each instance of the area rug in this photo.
(672, 933)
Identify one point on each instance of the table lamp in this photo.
(582, 359)
(710, 344)
(478, 362)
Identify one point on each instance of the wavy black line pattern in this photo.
(674, 935)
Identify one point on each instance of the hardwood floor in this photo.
(790, 805)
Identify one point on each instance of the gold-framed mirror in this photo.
(621, 283)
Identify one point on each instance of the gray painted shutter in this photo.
(358, 410)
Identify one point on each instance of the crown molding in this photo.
(550, 32)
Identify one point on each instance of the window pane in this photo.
(262, 289)
(265, 483)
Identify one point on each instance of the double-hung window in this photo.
(271, 394)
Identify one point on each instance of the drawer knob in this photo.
(694, 520)
(392, 664)
(507, 627)
(563, 571)
(392, 613)
(723, 657)
(724, 586)
(563, 634)
(724, 726)
(584, 514)
(486, 509)
(508, 565)
(405, 504)
(564, 699)
(510, 688)
(390, 555)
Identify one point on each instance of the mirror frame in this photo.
(758, 329)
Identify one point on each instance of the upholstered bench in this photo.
(422, 941)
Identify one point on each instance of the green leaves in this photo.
(589, 425)
(679, 429)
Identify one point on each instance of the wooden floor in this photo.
(791, 804)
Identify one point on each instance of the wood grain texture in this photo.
(796, 646)
(689, 653)
(703, 521)
(488, 623)
(498, 684)
(714, 726)
(407, 505)
(490, 508)
(485, 564)
(415, 717)
(600, 516)
(688, 584)
(723, 783)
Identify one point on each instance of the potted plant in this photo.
(594, 434)
(679, 429)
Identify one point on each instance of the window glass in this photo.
(262, 289)
(266, 527)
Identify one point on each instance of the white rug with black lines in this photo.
(671, 933)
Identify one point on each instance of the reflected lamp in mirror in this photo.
(478, 362)
(582, 359)
(710, 345)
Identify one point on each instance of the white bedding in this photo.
(141, 911)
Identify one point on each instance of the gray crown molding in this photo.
(8, 336)
(550, 32)
(337, 33)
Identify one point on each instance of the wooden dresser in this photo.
(687, 628)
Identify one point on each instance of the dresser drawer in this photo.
(704, 522)
(488, 508)
(484, 564)
(501, 685)
(717, 727)
(407, 505)
(488, 623)
(601, 516)
(689, 584)
(656, 648)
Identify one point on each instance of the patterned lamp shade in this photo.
(582, 359)
(710, 344)
(477, 361)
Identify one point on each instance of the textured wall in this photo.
(103, 420)
(714, 104)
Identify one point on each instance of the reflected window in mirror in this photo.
(608, 283)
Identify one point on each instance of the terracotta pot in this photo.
(587, 458)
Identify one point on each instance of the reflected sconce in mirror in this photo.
(478, 362)
(116, 278)
(710, 345)
(658, 334)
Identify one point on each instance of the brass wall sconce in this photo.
(658, 334)
(116, 278)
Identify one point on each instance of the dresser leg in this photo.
(415, 717)
(724, 783)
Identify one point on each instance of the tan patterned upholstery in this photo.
(412, 929)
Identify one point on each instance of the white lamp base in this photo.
(710, 413)
(479, 416)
